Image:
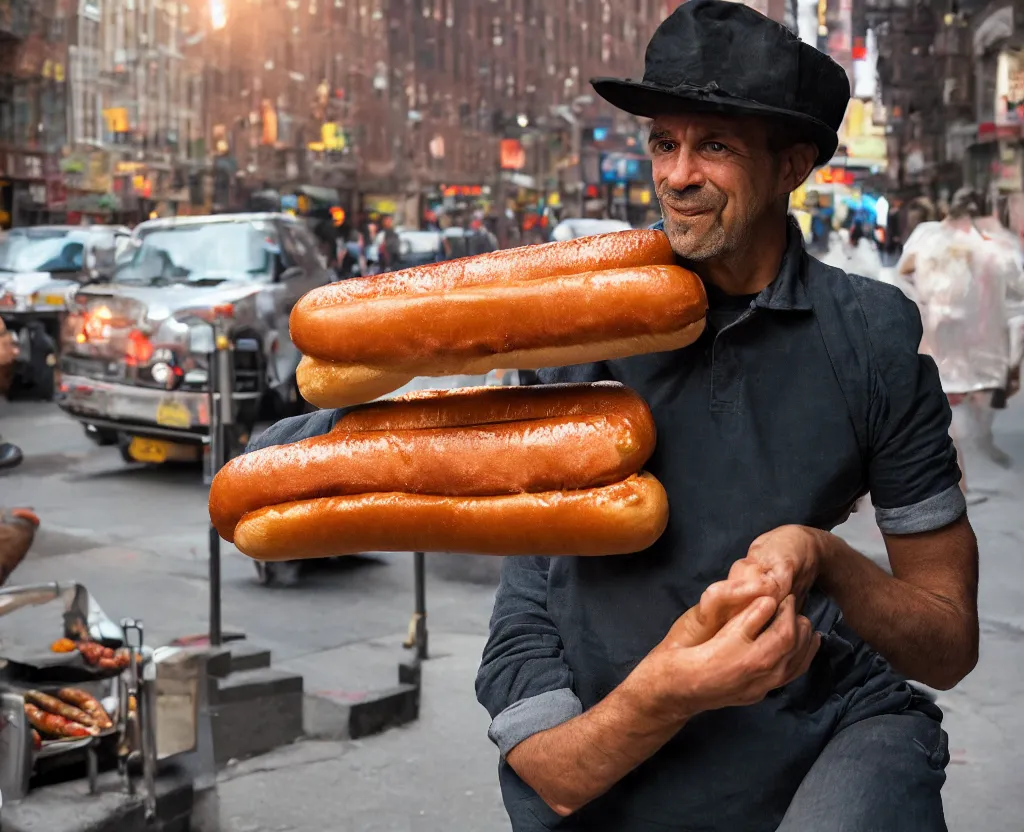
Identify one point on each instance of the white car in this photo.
(570, 229)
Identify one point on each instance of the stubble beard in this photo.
(691, 244)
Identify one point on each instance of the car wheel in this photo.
(281, 573)
(124, 442)
(263, 575)
(100, 436)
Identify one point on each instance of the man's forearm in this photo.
(928, 635)
(579, 760)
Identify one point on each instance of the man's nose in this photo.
(686, 171)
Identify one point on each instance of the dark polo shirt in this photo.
(792, 405)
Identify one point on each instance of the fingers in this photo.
(753, 619)
(799, 660)
(724, 599)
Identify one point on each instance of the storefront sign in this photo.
(1009, 88)
(833, 176)
(25, 166)
(513, 157)
(380, 204)
(461, 190)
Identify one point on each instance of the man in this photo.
(967, 277)
(390, 246)
(748, 672)
(10, 454)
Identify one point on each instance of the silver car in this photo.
(39, 268)
(136, 349)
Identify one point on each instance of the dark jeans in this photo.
(883, 774)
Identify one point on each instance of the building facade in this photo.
(33, 106)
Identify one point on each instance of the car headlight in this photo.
(200, 339)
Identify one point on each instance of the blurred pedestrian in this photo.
(389, 245)
(353, 256)
(10, 454)
(965, 278)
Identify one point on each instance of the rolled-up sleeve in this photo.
(913, 473)
(524, 681)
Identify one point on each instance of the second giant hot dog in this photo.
(597, 298)
(549, 470)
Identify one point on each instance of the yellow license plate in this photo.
(172, 414)
(149, 450)
(54, 300)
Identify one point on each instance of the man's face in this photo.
(715, 177)
(388, 223)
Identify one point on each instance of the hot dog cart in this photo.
(91, 697)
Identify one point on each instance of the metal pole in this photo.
(216, 444)
(577, 142)
(419, 570)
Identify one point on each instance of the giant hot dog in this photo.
(549, 470)
(596, 298)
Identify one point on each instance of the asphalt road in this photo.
(137, 537)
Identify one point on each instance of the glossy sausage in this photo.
(53, 724)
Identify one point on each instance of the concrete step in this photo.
(254, 711)
(237, 656)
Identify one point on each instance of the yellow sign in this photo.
(331, 138)
(117, 119)
(58, 73)
(172, 414)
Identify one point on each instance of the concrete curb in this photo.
(340, 716)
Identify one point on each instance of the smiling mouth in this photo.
(691, 212)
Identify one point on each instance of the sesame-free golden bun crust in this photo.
(621, 518)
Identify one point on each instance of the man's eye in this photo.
(716, 147)
(664, 146)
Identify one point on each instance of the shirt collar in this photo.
(788, 291)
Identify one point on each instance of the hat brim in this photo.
(649, 101)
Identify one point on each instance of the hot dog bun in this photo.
(482, 442)
(597, 298)
(617, 519)
(450, 454)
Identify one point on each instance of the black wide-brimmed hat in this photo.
(724, 57)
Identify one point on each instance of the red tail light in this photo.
(138, 349)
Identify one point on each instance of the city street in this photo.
(137, 537)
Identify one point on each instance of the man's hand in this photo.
(789, 557)
(750, 656)
(779, 563)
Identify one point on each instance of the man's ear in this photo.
(796, 164)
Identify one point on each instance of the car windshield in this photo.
(194, 253)
(42, 250)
